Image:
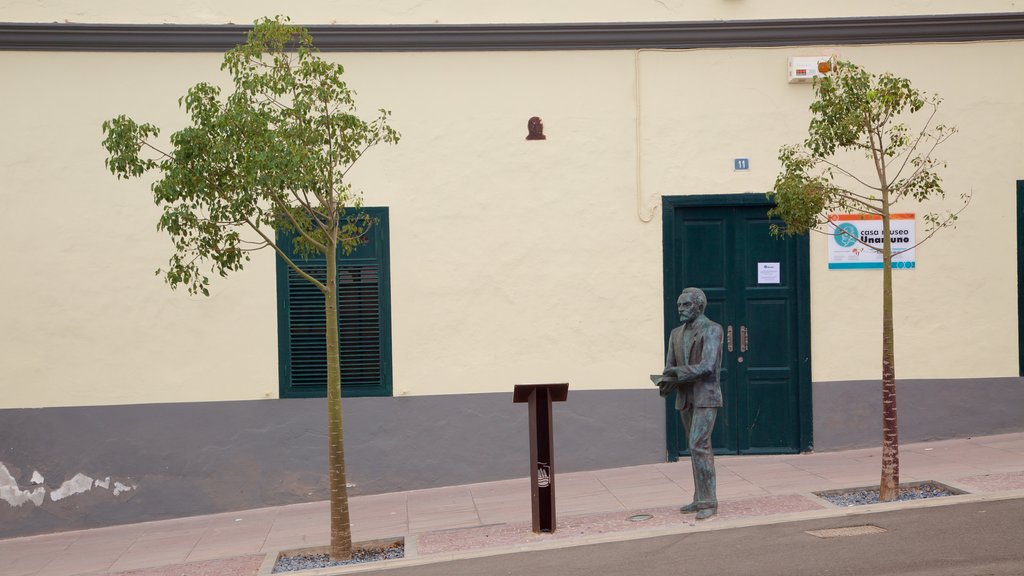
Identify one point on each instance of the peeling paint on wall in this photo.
(78, 484)
(12, 493)
(15, 496)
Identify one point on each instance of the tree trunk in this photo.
(341, 532)
(888, 489)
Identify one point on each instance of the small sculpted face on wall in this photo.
(535, 126)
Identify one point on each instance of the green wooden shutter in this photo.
(1020, 274)
(364, 319)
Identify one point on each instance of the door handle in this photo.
(728, 338)
(743, 339)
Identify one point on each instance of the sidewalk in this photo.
(457, 521)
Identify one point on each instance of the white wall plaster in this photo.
(11, 493)
(15, 496)
(119, 488)
(78, 484)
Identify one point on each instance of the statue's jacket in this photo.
(697, 349)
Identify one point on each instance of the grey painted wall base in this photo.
(849, 414)
(200, 458)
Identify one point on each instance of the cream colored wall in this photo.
(494, 243)
(955, 314)
(473, 11)
(570, 289)
(85, 321)
(512, 261)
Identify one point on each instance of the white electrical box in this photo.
(805, 68)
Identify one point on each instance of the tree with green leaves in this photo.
(268, 161)
(861, 156)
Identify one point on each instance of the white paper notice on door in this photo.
(768, 273)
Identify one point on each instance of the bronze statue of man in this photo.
(692, 365)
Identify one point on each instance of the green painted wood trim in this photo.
(668, 206)
(559, 36)
(387, 360)
(386, 388)
(283, 351)
(714, 200)
(1020, 275)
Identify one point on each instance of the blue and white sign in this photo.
(855, 241)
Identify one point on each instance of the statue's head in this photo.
(691, 304)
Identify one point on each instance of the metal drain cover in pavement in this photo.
(847, 531)
(639, 517)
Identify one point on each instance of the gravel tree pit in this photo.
(294, 562)
(864, 496)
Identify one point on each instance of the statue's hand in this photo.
(674, 373)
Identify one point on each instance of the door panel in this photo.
(705, 256)
(706, 263)
(768, 313)
(768, 334)
(765, 378)
(768, 421)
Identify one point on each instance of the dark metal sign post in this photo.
(542, 449)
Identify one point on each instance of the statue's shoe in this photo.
(706, 513)
(690, 508)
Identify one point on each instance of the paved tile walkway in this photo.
(475, 516)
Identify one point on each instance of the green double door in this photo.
(757, 289)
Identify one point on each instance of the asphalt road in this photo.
(971, 539)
